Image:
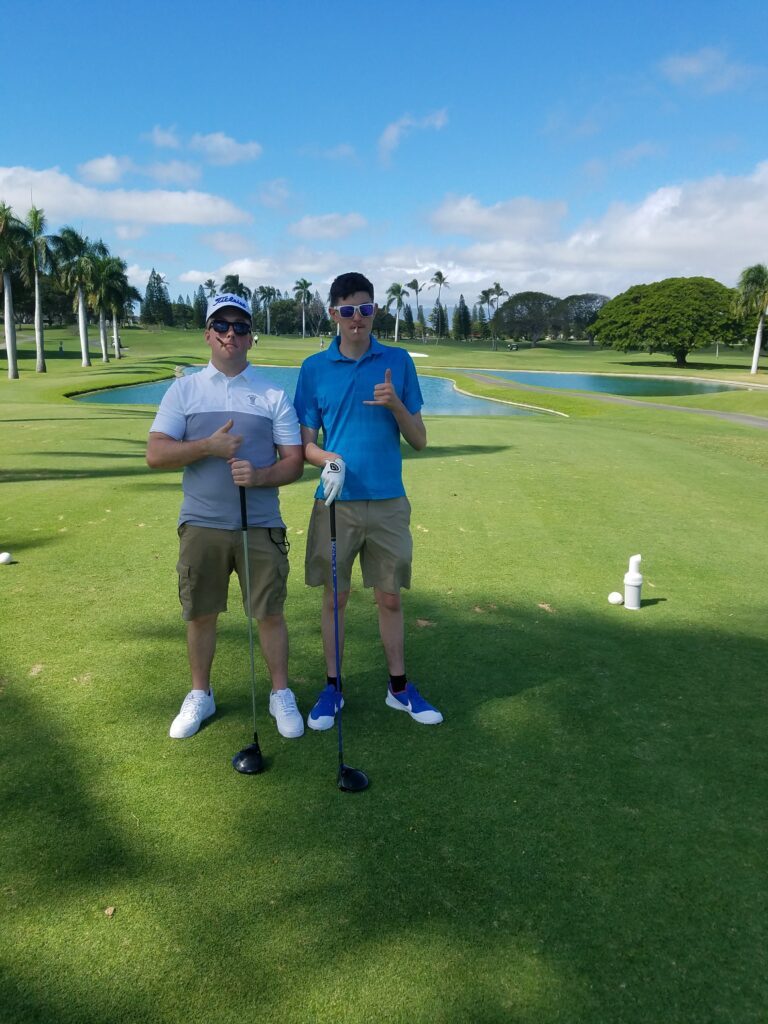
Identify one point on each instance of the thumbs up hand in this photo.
(385, 394)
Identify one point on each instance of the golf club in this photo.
(350, 780)
(248, 761)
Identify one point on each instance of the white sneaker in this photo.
(282, 707)
(198, 705)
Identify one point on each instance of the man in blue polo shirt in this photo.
(228, 427)
(363, 396)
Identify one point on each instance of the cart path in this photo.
(732, 417)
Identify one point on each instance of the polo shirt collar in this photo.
(212, 373)
(373, 350)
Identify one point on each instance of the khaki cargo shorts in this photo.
(207, 558)
(378, 531)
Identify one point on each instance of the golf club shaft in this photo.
(244, 525)
(336, 626)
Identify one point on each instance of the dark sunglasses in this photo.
(365, 308)
(222, 326)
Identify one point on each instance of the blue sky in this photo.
(561, 147)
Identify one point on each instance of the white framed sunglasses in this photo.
(364, 309)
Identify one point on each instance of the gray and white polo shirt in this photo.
(196, 406)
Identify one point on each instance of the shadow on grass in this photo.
(587, 818)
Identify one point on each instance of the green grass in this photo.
(583, 840)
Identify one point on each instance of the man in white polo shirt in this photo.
(228, 427)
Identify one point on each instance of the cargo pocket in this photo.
(186, 579)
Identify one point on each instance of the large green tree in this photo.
(11, 246)
(575, 314)
(462, 321)
(752, 301)
(677, 315)
(528, 315)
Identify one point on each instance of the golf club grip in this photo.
(243, 510)
(332, 510)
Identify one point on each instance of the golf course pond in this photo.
(440, 396)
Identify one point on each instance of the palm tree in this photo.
(76, 255)
(752, 300)
(210, 287)
(234, 286)
(98, 297)
(303, 295)
(118, 293)
(485, 297)
(267, 295)
(396, 293)
(10, 253)
(37, 259)
(441, 281)
(496, 293)
(415, 288)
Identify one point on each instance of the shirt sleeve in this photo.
(285, 424)
(411, 397)
(170, 418)
(305, 401)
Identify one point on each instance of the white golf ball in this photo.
(615, 598)
(5, 557)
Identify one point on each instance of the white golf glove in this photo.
(332, 478)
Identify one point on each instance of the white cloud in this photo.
(105, 170)
(393, 134)
(519, 218)
(226, 242)
(274, 194)
(138, 276)
(713, 227)
(328, 225)
(222, 150)
(251, 272)
(62, 198)
(128, 232)
(173, 172)
(163, 138)
(708, 70)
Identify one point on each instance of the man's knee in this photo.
(342, 595)
(387, 602)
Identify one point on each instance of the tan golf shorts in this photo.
(378, 531)
(207, 558)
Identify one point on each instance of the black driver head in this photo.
(351, 780)
(248, 761)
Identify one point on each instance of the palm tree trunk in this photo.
(397, 321)
(115, 334)
(303, 320)
(758, 342)
(103, 335)
(10, 328)
(39, 337)
(82, 321)
(269, 326)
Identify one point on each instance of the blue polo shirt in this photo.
(329, 398)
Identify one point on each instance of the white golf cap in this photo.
(219, 302)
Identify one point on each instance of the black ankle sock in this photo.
(398, 683)
(333, 681)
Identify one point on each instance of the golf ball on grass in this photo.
(5, 557)
(615, 598)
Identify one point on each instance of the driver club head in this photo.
(351, 780)
(248, 761)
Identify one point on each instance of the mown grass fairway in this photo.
(581, 842)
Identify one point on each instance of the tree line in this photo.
(55, 275)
